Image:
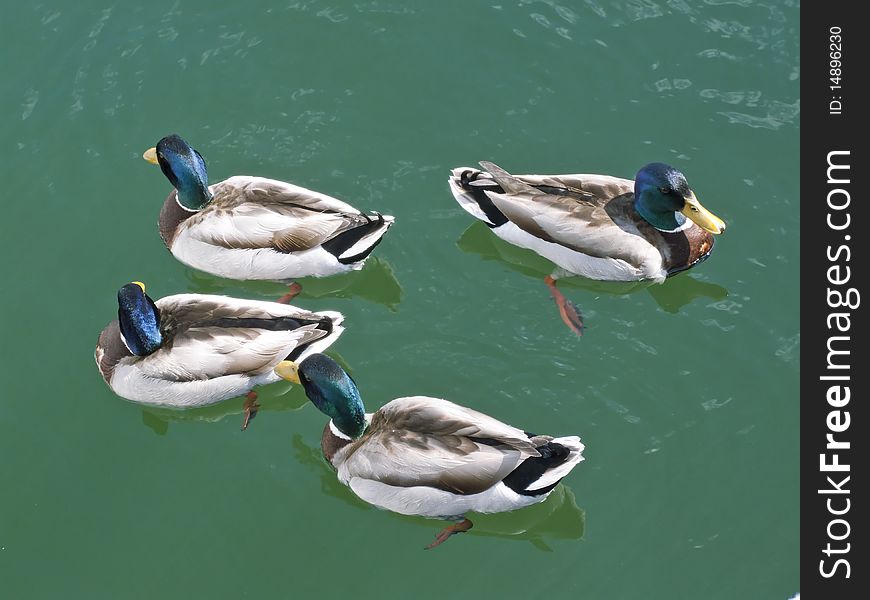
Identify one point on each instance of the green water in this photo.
(685, 394)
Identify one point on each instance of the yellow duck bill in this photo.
(702, 217)
(288, 370)
(151, 156)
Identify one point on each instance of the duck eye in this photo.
(665, 190)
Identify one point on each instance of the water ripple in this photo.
(638, 10)
(331, 14)
(541, 20)
(31, 98)
(596, 8)
(789, 348)
(716, 53)
(49, 17)
(778, 113)
(382, 8)
(98, 28)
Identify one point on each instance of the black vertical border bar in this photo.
(828, 127)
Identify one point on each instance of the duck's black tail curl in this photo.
(469, 188)
(539, 475)
(356, 244)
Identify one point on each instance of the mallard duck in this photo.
(256, 228)
(191, 350)
(596, 226)
(426, 456)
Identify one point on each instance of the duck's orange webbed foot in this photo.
(292, 291)
(251, 407)
(461, 527)
(567, 310)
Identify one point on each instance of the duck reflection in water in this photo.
(671, 296)
(375, 282)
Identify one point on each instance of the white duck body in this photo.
(259, 228)
(214, 348)
(433, 458)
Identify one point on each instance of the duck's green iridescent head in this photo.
(185, 169)
(331, 390)
(138, 319)
(664, 199)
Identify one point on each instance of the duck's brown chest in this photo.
(684, 249)
(330, 443)
(171, 216)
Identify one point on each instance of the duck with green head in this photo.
(429, 457)
(249, 227)
(596, 226)
(191, 350)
